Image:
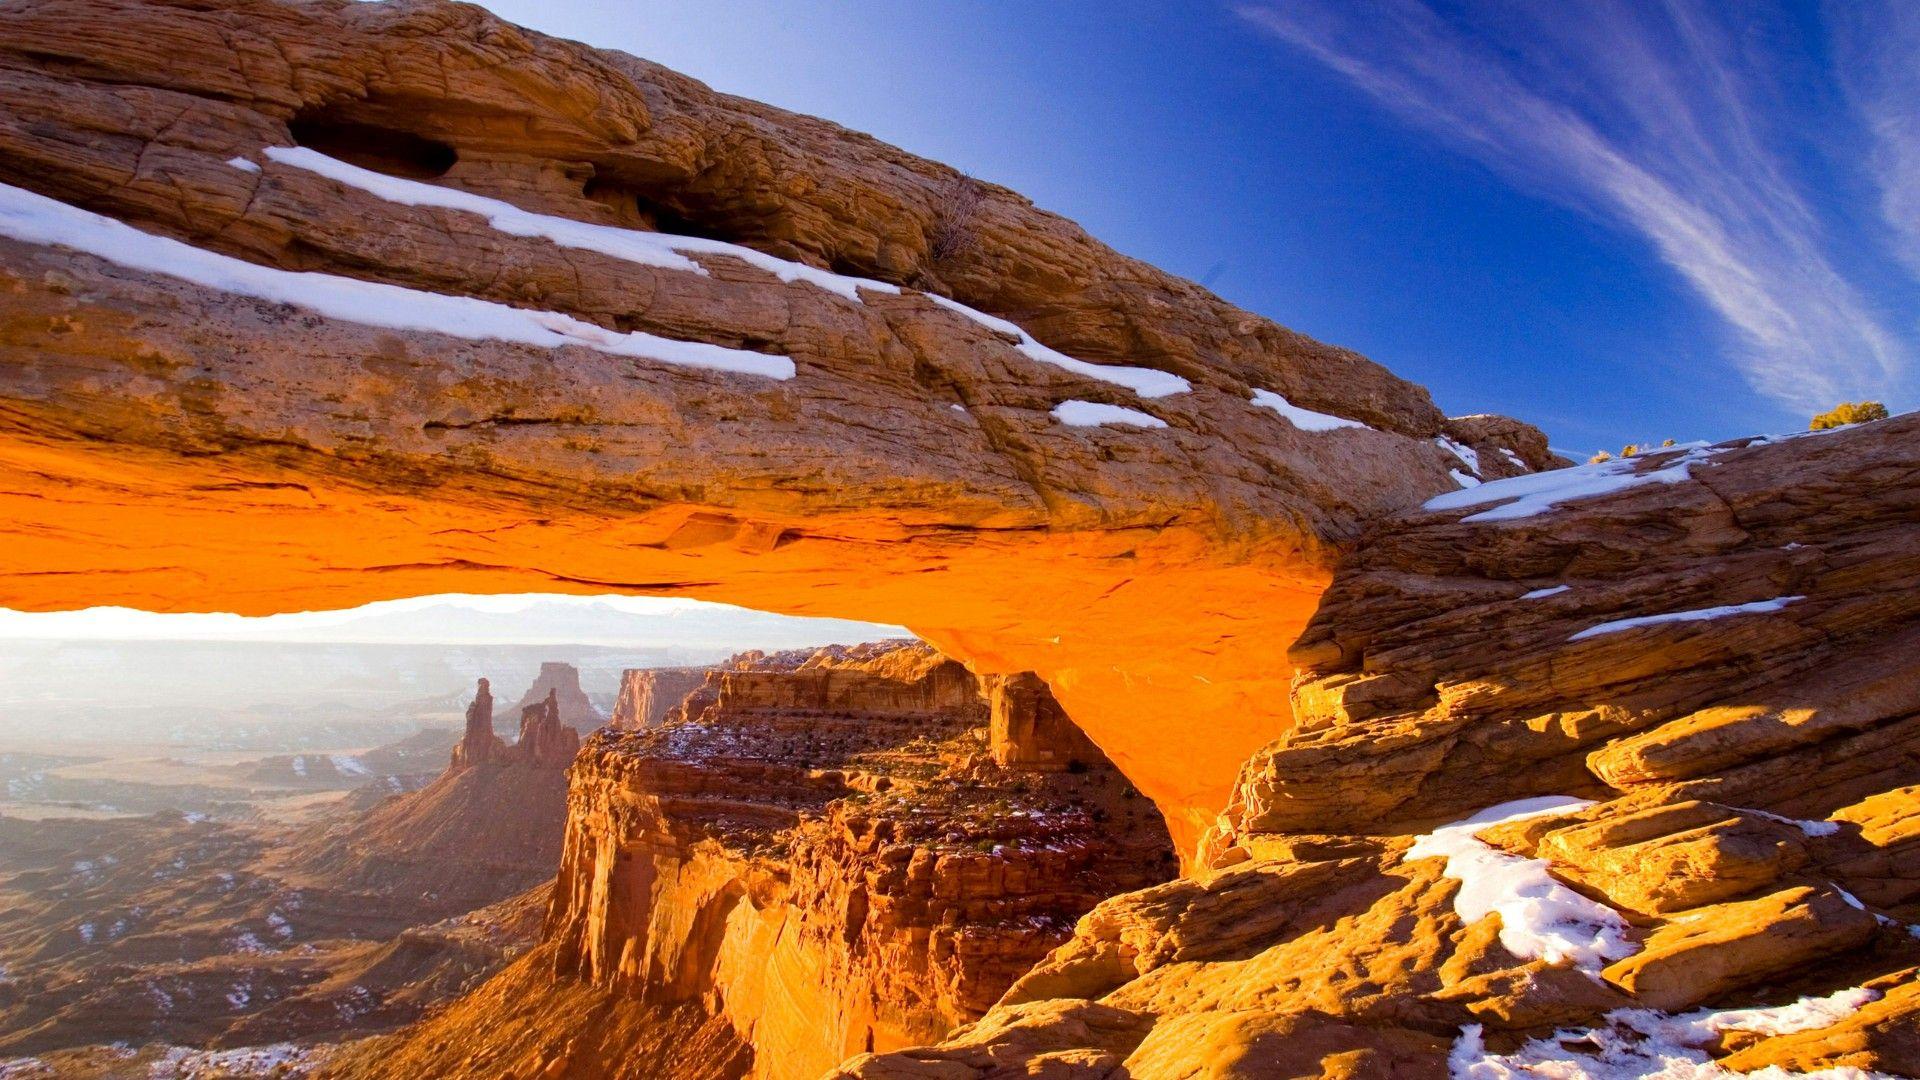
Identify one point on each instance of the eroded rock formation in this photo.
(1714, 648)
(648, 694)
(823, 854)
(545, 742)
(1027, 728)
(187, 427)
(666, 379)
(560, 682)
(478, 744)
(486, 829)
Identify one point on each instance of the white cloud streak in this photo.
(1653, 118)
(1877, 52)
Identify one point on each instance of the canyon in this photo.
(1265, 721)
(817, 854)
(125, 940)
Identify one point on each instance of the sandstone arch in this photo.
(173, 445)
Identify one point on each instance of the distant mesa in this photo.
(562, 681)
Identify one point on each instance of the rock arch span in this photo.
(308, 383)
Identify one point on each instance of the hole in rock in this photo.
(635, 209)
(385, 150)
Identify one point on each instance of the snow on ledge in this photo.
(1304, 419)
(37, 219)
(243, 164)
(1542, 594)
(663, 250)
(1074, 413)
(1539, 917)
(1696, 615)
(1468, 455)
(669, 251)
(1814, 829)
(1537, 493)
(1646, 1044)
(1147, 382)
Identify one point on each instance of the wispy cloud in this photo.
(1653, 117)
(1877, 52)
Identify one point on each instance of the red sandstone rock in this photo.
(479, 744)
(159, 435)
(720, 872)
(823, 852)
(560, 681)
(544, 742)
(648, 694)
(1754, 779)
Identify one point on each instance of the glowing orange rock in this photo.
(175, 447)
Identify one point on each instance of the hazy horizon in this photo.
(465, 619)
(103, 675)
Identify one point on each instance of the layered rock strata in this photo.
(311, 304)
(826, 857)
(1687, 687)
(648, 694)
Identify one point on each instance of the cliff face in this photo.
(824, 855)
(569, 321)
(1676, 704)
(648, 694)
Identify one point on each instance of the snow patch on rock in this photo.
(1304, 419)
(1539, 917)
(1093, 414)
(36, 219)
(664, 250)
(1537, 493)
(1147, 382)
(1645, 1044)
(1695, 615)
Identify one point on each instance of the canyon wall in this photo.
(1634, 736)
(822, 853)
(648, 694)
(321, 303)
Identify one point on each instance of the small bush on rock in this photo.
(1848, 412)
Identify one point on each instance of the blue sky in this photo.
(1640, 221)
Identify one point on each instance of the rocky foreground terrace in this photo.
(1473, 764)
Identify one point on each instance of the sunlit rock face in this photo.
(824, 855)
(1091, 470)
(1690, 685)
(648, 694)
